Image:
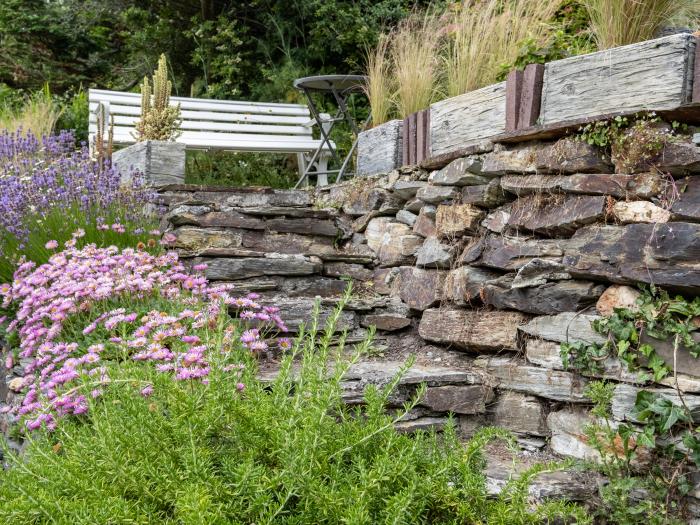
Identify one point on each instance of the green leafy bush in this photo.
(569, 35)
(222, 168)
(74, 114)
(282, 450)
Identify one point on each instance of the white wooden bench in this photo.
(219, 124)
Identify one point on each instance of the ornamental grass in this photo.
(414, 55)
(380, 83)
(621, 22)
(484, 35)
(38, 114)
(429, 57)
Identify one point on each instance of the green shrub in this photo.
(74, 114)
(222, 168)
(286, 450)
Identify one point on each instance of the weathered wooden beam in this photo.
(648, 76)
(379, 149)
(514, 86)
(531, 95)
(467, 119)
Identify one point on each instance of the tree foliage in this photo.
(217, 48)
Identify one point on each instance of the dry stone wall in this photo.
(480, 267)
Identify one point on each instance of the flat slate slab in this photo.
(516, 375)
(556, 215)
(234, 268)
(549, 298)
(641, 185)
(471, 329)
(667, 255)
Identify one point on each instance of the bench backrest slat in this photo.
(212, 115)
(201, 125)
(266, 108)
(221, 124)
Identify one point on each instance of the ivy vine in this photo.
(661, 427)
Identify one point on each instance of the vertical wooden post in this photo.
(405, 143)
(531, 95)
(696, 74)
(416, 138)
(420, 135)
(412, 139)
(426, 151)
(514, 82)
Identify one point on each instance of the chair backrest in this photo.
(220, 124)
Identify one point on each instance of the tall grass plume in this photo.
(483, 35)
(37, 115)
(621, 22)
(379, 87)
(414, 52)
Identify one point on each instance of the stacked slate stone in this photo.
(482, 267)
(272, 242)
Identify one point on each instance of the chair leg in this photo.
(301, 163)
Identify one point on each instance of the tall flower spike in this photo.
(159, 120)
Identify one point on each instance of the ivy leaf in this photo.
(675, 415)
(646, 350)
(693, 443)
(647, 438)
(622, 347)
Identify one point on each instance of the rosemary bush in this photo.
(286, 450)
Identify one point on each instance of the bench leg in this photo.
(321, 169)
(301, 163)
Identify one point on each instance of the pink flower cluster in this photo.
(76, 284)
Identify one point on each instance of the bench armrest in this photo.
(325, 121)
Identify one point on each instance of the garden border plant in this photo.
(50, 189)
(662, 430)
(285, 450)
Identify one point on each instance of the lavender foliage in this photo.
(40, 176)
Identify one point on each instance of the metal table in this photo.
(341, 87)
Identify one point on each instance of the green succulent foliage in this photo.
(603, 133)
(633, 142)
